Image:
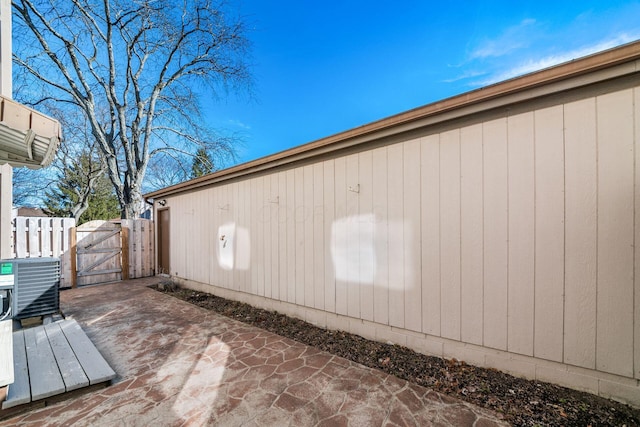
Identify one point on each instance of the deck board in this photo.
(53, 359)
(72, 373)
(94, 365)
(19, 392)
(45, 376)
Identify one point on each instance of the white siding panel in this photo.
(521, 233)
(471, 254)
(636, 317)
(318, 236)
(366, 233)
(243, 252)
(495, 191)
(614, 352)
(339, 236)
(291, 236)
(396, 235)
(581, 183)
(274, 203)
(260, 234)
(283, 256)
(450, 233)
(411, 228)
(253, 235)
(329, 218)
(352, 230)
(309, 292)
(430, 208)
(381, 248)
(549, 253)
(266, 219)
(300, 235)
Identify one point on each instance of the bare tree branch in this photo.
(132, 69)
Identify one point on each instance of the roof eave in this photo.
(612, 63)
(27, 137)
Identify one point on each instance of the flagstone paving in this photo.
(178, 364)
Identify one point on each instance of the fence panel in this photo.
(36, 237)
(42, 237)
(141, 247)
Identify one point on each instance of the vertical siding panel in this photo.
(253, 234)
(318, 235)
(291, 236)
(211, 234)
(197, 242)
(430, 208)
(189, 229)
(366, 227)
(222, 276)
(381, 249)
(243, 252)
(636, 276)
(275, 230)
(396, 236)
(260, 233)
(353, 238)
(614, 352)
(181, 230)
(237, 209)
(283, 214)
(471, 234)
(521, 233)
(450, 233)
(300, 246)
(411, 229)
(339, 236)
(329, 216)
(229, 220)
(309, 295)
(581, 213)
(549, 234)
(224, 217)
(266, 222)
(494, 141)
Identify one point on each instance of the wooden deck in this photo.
(53, 359)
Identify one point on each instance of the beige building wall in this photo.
(506, 239)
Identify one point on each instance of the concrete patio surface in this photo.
(178, 364)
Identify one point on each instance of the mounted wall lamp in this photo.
(162, 202)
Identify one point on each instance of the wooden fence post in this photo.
(72, 256)
(124, 263)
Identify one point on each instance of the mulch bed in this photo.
(521, 402)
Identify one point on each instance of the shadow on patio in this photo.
(178, 364)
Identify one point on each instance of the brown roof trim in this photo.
(625, 54)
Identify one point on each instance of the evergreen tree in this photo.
(202, 163)
(83, 191)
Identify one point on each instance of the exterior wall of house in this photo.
(506, 240)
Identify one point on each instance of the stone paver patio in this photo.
(178, 364)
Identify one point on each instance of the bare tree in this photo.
(134, 68)
(30, 185)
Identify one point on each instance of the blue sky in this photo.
(324, 67)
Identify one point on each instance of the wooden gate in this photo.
(99, 253)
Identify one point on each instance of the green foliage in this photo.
(103, 203)
(202, 163)
(82, 191)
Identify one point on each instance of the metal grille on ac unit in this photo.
(36, 288)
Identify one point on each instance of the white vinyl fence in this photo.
(42, 237)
